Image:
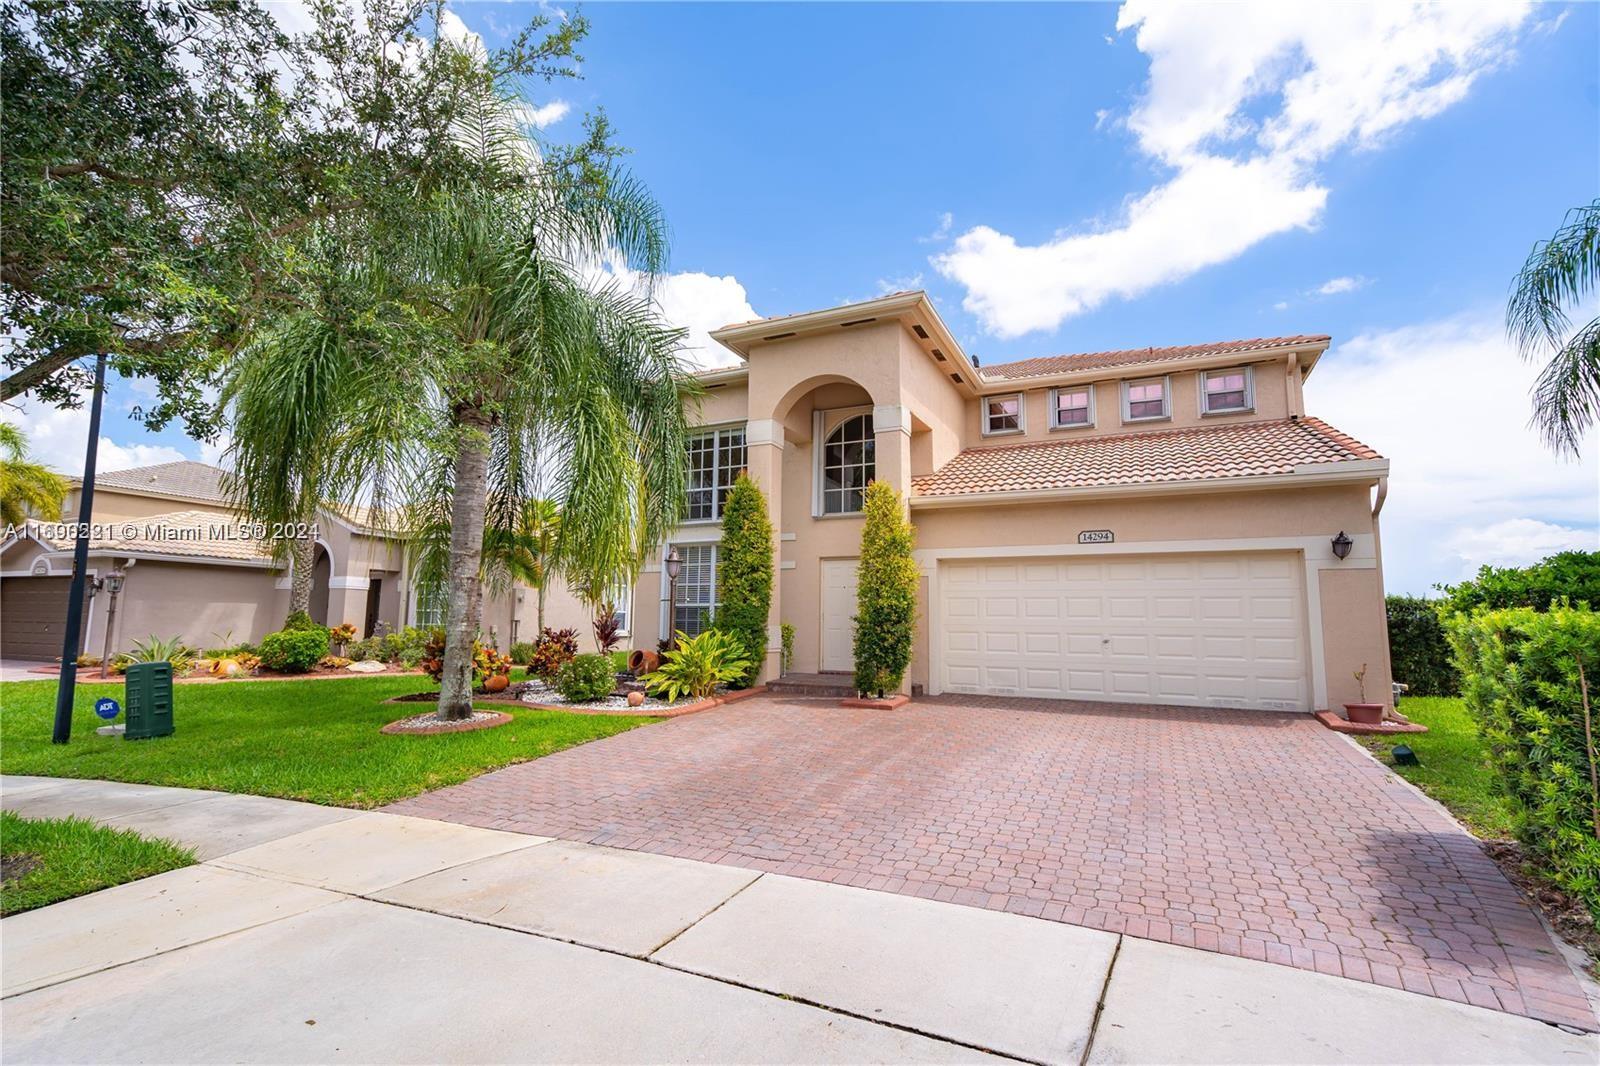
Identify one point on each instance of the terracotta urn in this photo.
(497, 682)
(642, 662)
(1364, 713)
(635, 699)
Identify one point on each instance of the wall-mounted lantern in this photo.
(1341, 545)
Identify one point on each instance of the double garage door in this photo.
(33, 617)
(1208, 630)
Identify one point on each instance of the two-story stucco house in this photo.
(1156, 525)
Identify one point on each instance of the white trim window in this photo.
(696, 602)
(1226, 392)
(1002, 415)
(716, 459)
(849, 463)
(622, 607)
(1072, 408)
(430, 604)
(1146, 400)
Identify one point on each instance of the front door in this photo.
(838, 614)
(374, 598)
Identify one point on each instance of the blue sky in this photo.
(1078, 177)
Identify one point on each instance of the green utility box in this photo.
(149, 698)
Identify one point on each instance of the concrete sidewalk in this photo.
(312, 934)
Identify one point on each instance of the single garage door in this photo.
(1207, 630)
(33, 617)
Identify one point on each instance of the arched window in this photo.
(847, 465)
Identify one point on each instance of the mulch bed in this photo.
(1565, 912)
(421, 725)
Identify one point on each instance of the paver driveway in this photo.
(1259, 835)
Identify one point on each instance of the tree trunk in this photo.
(541, 604)
(467, 505)
(303, 553)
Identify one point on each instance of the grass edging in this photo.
(62, 858)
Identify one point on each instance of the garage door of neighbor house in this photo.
(1208, 630)
(33, 617)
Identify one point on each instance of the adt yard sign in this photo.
(107, 708)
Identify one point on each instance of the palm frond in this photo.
(1566, 396)
(1559, 273)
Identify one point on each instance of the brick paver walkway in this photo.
(1253, 834)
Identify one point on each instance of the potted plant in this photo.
(1363, 713)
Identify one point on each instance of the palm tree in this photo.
(27, 490)
(488, 370)
(1557, 277)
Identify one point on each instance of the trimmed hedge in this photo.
(586, 678)
(744, 574)
(1418, 650)
(1520, 677)
(1573, 576)
(294, 651)
(886, 596)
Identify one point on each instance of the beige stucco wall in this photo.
(111, 505)
(205, 605)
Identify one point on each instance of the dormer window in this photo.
(1072, 408)
(1225, 392)
(1002, 414)
(1146, 401)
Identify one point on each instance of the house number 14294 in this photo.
(1096, 536)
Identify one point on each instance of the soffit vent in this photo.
(957, 379)
(937, 354)
(856, 322)
(919, 331)
(778, 336)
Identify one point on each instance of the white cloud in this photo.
(903, 283)
(1281, 305)
(1518, 542)
(1447, 403)
(57, 437)
(942, 231)
(1335, 286)
(1243, 102)
(697, 302)
(546, 114)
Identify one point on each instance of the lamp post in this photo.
(66, 687)
(674, 565)
(113, 585)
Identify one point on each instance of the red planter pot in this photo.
(1364, 713)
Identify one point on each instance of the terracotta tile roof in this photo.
(196, 481)
(189, 534)
(1061, 364)
(1203, 453)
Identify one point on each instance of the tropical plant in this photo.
(486, 366)
(886, 597)
(27, 489)
(786, 634)
(744, 572)
(1560, 275)
(554, 649)
(607, 628)
(342, 634)
(698, 665)
(294, 651)
(522, 652)
(154, 649)
(370, 649)
(1528, 678)
(586, 678)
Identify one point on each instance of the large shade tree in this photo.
(487, 369)
(1559, 275)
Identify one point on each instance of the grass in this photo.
(66, 857)
(305, 740)
(1453, 765)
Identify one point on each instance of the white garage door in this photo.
(1208, 630)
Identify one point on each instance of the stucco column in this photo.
(347, 602)
(764, 464)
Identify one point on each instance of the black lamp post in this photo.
(112, 583)
(1341, 545)
(674, 565)
(68, 682)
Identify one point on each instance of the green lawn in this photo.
(1453, 766)
(58, 858)
(307, 740)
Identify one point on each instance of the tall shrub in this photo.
(1418, 650)
(1520, 673)
(744, 573)
(886, 596)
(1574, 576)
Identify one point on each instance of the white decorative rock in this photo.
(366, 666)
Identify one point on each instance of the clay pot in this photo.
(642, 662)
(635, 699)
(497, 682)
(1364, 713)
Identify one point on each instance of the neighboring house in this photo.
(193, 570)
(1147, 526)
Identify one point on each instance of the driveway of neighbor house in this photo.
(1257, 835)
(314, 934)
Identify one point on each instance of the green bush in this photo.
(786, 659)
(886, 597)
(1573, 576)
(586, 678)
(1418, 650)
(370, 649)
(404, 641)
(294, 651)
(298, 620)
(744, 573)
(522, 652)
(1520, 673)
(698, 666)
